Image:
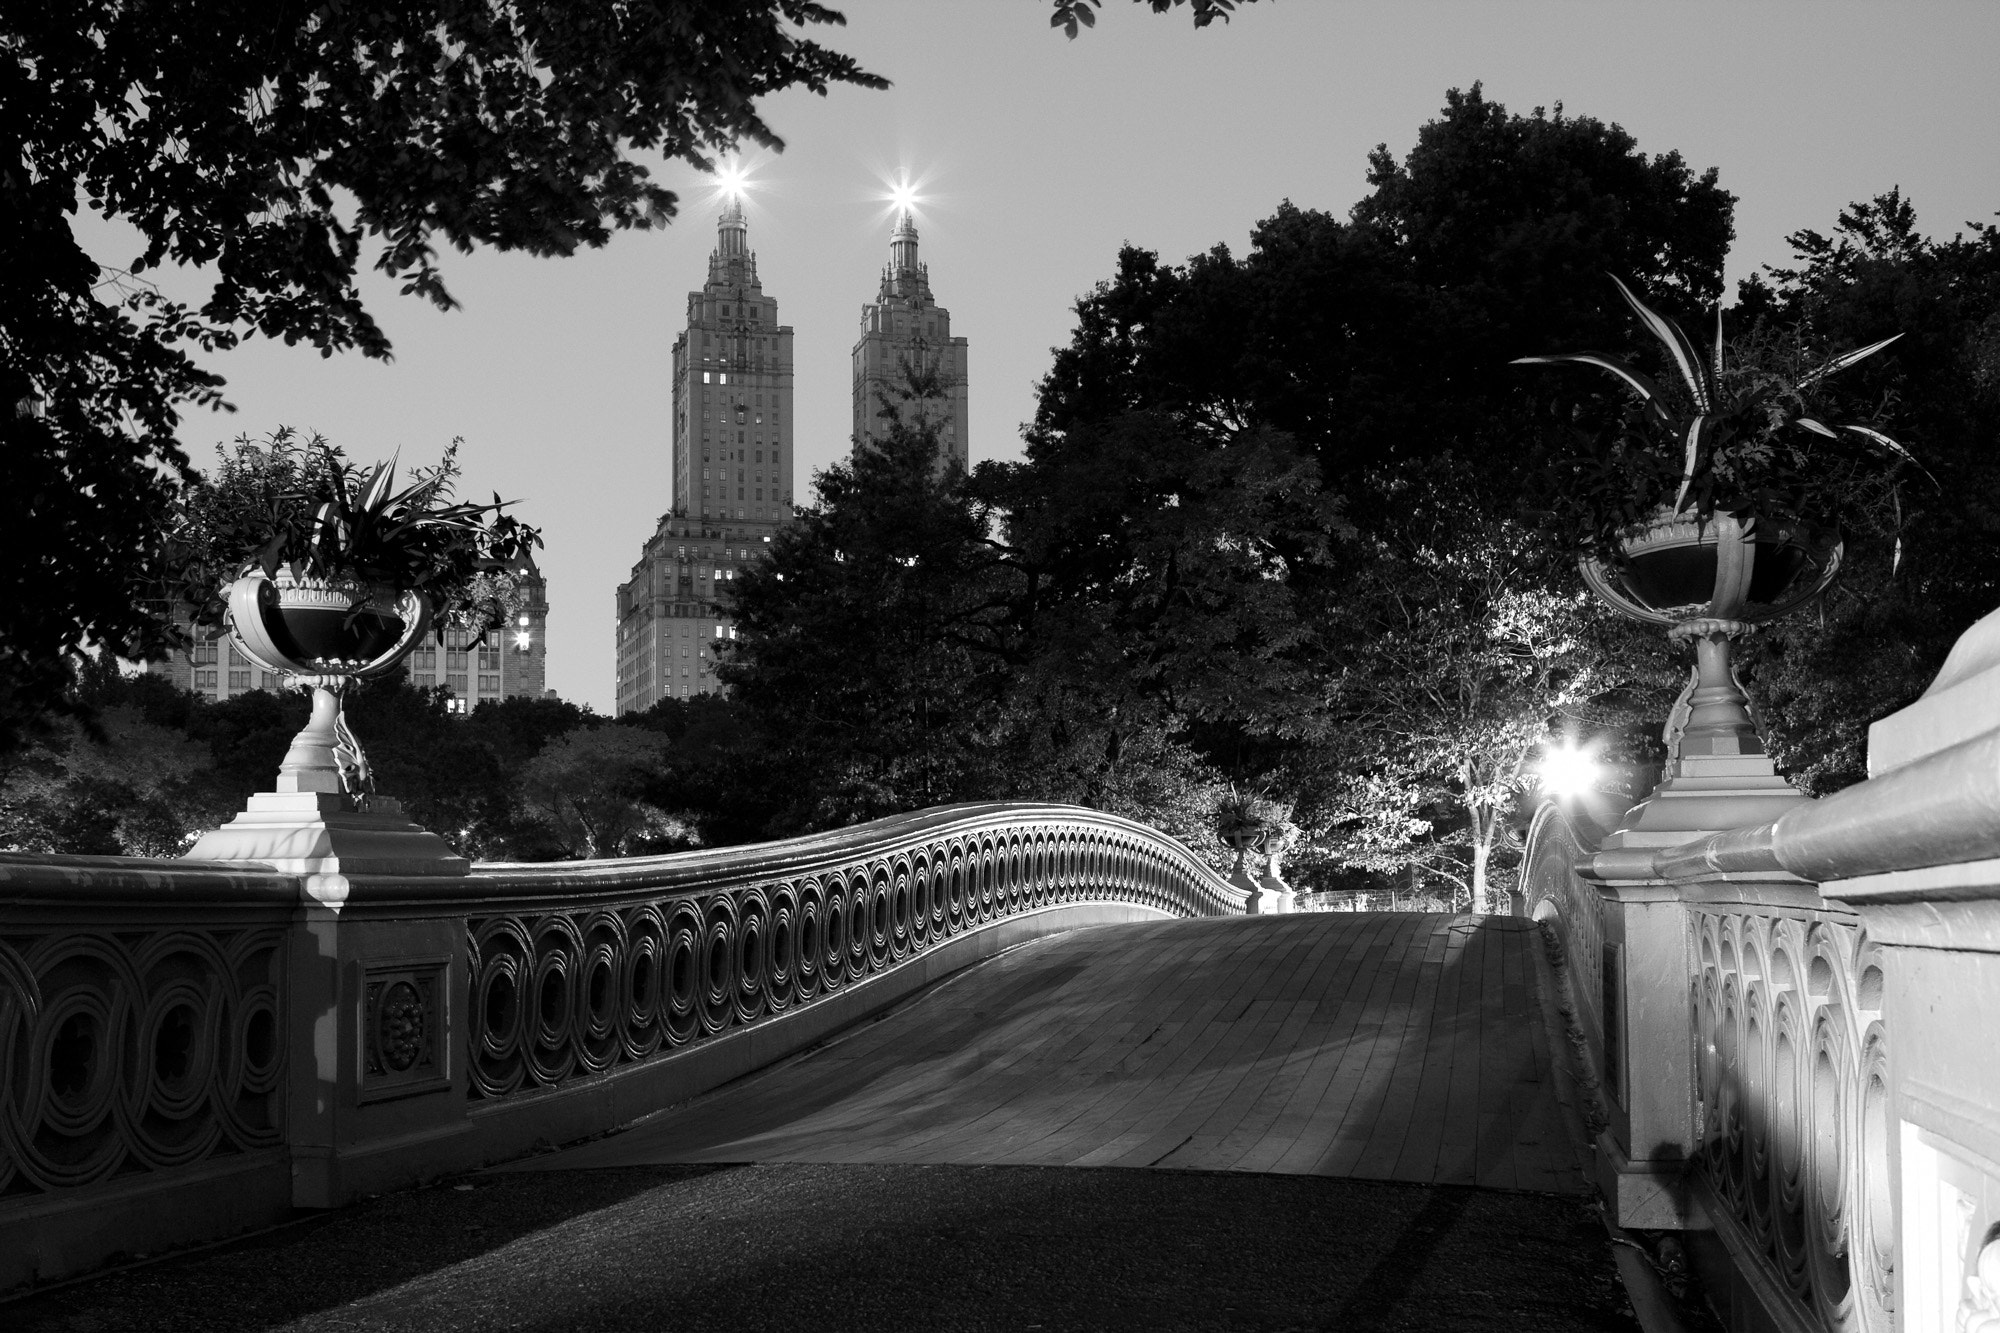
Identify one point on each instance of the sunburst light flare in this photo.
(1569, 770)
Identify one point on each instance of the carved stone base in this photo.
(1653, 1195)
(322, 833)
(1708, 794)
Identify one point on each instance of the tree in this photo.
(1155, 624)
(270, 149)
(1923, 563)
(866, 641)
(1453, 668)
(1434, 638)
(133, 788)
(1381, 342)
(586, 788)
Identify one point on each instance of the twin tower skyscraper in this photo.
(733, 441)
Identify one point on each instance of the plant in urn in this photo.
(329, 574)
(1740, 444)
(1250, 823)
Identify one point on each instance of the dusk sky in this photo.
(1037, 157)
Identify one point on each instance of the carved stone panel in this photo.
(403, 1028)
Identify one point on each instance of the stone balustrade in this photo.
(191, 1049)
(1791, 1027)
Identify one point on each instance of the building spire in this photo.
(732, 232)
(903, 245)
(732, 264)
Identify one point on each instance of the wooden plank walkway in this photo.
(1392, 1046)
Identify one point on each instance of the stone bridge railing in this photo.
(189, 1049)
(1794, 1028)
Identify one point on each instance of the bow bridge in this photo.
(1771, 1037)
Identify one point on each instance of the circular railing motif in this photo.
(1791, 1071)
(568, 994)
(136, 1051)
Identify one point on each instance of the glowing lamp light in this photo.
(522, 638)
(1568, 770)
(903, 196)
(731, 179)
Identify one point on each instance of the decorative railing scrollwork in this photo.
(563, 991)
(136, 1049)
(1791, 1062)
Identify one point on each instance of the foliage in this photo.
(1379, 343)
(586, 787)
(1457, 655)
(1158, 566)
(863, 647)
(1923, 565)
(1246, 818)
(134, 789)
(300, 505)
(267, 148)
(1072, 16)
(1739, 429)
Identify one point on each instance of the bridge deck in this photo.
(1390, 1046)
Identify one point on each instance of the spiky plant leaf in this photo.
(1696, 433)
(1685, 358)
(1640, 382)
(1878, 437)
(1844, 360)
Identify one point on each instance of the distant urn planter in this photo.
(1256, 824)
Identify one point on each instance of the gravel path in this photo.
(835, 1247)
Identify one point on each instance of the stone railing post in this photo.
(1718, 777)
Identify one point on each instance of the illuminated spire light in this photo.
(732, 181)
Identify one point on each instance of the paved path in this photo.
(1389, 1046)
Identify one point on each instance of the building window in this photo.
(489, 684)
(456, 684)
(204, 680)
(239, 680)
(489, 659)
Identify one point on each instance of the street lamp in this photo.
(1568, 771)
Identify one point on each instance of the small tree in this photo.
(587, 788)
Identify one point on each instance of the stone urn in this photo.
(326, 634)
(325, 816)
(1277, 840)
(1727, 571)
(1709, 580)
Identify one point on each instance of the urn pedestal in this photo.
(324, 820)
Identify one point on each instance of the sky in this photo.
(1036, 158)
